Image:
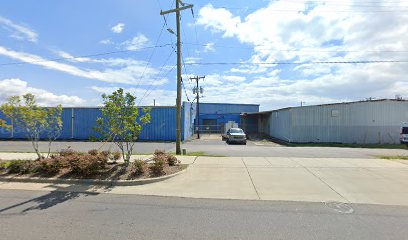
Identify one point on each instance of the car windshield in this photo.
(404, 130)
(236, 131)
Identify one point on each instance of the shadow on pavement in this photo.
(53, 198)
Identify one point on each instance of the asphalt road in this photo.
(215, 147)
(67, 215)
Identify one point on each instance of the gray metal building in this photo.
(363, 122)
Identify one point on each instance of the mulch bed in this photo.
(112, 171)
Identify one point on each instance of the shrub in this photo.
(67, 152)
(49, 166)
(158, 152)
(18, 166)
(85, 165)
(116, 156)
(105, 153)
(93, 152)
(156, 168)
(172, 160)
(3, 165)
(138, 167)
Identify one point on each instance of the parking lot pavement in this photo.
(255, 149)
(25, 146)
(346, 180)
(214, 146)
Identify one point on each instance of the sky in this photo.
(273, 53)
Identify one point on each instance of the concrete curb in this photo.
(109, 183)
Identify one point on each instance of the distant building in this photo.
(363, 122)
(79, 122)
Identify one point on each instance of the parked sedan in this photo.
(236, 135)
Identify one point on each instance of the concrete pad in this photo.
(399, 175)
(17, 156)
(374, 163)
(344, 174)
(322, 162)
(186, 159)
(256, 162)
(226, 161)
(400, 199)
(292, 184)
(226, 183)
(282, 162)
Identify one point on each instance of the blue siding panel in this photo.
(161, 128)
(224, 108)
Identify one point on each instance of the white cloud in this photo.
(17, 87)
(294, 31)
(18, 31)
(145, 96)
(106, 42)
(127, 71)
(136, 42)
(209, 47)
(118, 28)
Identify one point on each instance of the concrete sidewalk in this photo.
(372, 181)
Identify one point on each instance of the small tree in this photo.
(54, 125)
(32, 119)
(121, 123)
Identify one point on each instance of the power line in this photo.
(295, 50)
(83, 56)
(185, 91)
(299, 63)
(390, 10)
(161, 69)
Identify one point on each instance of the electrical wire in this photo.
(299, 63)
(295, 50)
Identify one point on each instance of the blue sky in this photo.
(250, 32)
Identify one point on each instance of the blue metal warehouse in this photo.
(78, 122)
(214, 115)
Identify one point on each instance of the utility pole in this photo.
(197, 90)
(178, 101)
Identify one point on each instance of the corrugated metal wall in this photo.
(78, 123)
(225, 108)
(374, 122)
(161, 128)
(223, 112)
(189, 115)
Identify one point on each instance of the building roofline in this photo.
(352, 102)
(247, 104)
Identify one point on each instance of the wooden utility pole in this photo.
(178, 101)
(197, 90)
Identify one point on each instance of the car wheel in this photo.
(244, 143)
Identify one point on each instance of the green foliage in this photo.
(138, 167)
(93, 152)
(32, 119)
(172, 160)
(86, 164)
(157, 167)
(17, 166)
(49, 166)
(121, 122)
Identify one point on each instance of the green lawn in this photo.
(394, 157)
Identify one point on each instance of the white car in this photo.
(236, 135)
